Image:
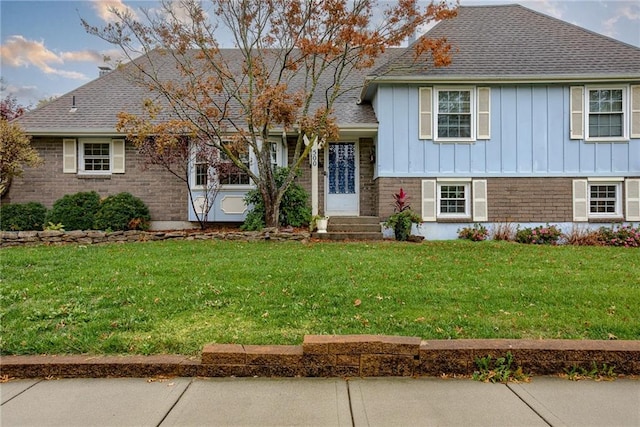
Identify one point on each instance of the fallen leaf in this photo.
(357, 302)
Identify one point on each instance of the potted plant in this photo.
(320, 223)
(403, 217)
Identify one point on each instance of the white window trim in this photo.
(617, 182)
(626, 113)
(474, 112)
(193, 169)
(81, 159)
(281, 152)
(467, 202)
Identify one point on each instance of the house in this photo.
(535, 121)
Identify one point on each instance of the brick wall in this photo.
(387, 187)
(530, 199)
(164, 194)
(510, 199)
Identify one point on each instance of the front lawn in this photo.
(176, 296)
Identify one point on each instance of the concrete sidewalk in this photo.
(386, 401)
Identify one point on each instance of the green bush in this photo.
(122, 211)
(541, 235)
(75, 211)
(477, 233)
(19, 217)
(625, 235)
(294, 208)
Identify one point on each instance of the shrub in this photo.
(122, 211)
(503, 231)
(19, 217)
(75, 211)
(476, 233)
(583, 237)
(403, 217)
(625, 235)
(294, 207)
(541, 235)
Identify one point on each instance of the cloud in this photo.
(629, 11)
(82, 56)
(105, 9)
(21, 52)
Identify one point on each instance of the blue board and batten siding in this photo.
(529, 137)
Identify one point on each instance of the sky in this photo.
(45, 51)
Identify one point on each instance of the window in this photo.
(453, 199)
(94, 156)
(604, 199)
(606, 113)
(97, 157)
(229, 173)
(201, 172)
(454, 114)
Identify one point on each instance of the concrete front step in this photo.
(347, 236)
(355, 220)
(352, 228)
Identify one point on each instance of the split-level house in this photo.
(535, 121)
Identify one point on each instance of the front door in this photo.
(342, 179)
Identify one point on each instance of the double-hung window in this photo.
(458, 199)
(453, 199)
(606, 113)
(602, 199)
(605, 199)
(93, 156)
(96, 157)
(201, 172)
(455, 114)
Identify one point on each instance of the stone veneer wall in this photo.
(510, 199)
(164, 194)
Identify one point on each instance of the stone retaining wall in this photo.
(341, 356)
(54, 237)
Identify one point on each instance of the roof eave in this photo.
(73, 132)
(371, 82)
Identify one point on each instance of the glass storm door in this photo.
(342, 179)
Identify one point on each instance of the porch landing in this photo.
(352, 228)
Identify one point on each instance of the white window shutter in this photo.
(576, 105)
(632, 191)
(426, 115)
(580, 200)
(480, 208)
(118, 155)
(635, 111)
(429, 200)
(69, 155)
(484, 113)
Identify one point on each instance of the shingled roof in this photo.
(99, 101)
(513, 42)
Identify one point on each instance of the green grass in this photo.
(176, 296)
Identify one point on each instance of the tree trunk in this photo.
(271, 208)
